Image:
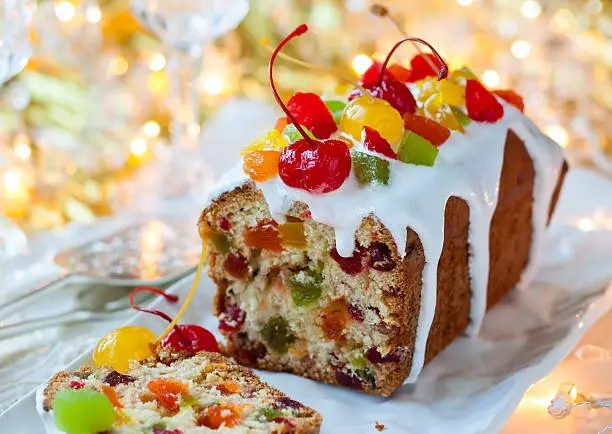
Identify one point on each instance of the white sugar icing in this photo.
(468, 166)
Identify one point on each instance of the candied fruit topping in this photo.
(191, 338)
(334, 318)
(267, 414)
(263, 236)
(318, 168)
(292, 234)
(417, 150)
(232, 319)
(261, 165)
(277, 334)
(421, 67)
(167, 431)
(269, 140)
(348, 378)
(114, 378)
(306, 287)
(354, 264)
(375, 113)
(370, 169)
(399, 72)
(292, 134)
(511, 97)
(336, 108)
(463, 119)
(430, 130)
(82, 411)
(374, 356)
(281, 123)
(391, 90)
(237, 266)
(118, 347)
(373, 141)
(310, 111)
(482, 106)
(226, 414)
(380, 257)
(168, 391)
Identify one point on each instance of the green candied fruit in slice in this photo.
(267, 414)
(277, 334)
(220, 242)
(463, 119)
(358, 360)
(336, 108)
(293, 135)
(82, 411)
(417, 150)
(306, 287)
(370, 169)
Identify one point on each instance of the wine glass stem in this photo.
(185, 69)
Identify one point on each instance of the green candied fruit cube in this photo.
(358, 360)
(220, 242)
(468, 72)
(370, 169)
(268, 414)
(417, 150)
(306, 287)
(277, 334)
(293, 135)
(336, 108)
(463, 119)
(82, 411)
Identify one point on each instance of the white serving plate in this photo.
(475, 384)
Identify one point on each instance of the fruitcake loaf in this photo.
(171, 394)
(362, 235)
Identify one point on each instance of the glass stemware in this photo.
(186, 26)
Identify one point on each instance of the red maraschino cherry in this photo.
(185, 337)
(317, 166)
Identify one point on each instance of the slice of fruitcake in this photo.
(363, 235)
(171, 394)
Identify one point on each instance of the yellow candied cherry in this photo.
(375, 113)
(269, 140)
(117, 348)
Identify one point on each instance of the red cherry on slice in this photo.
(376, 143)
(191, 338)
(511, 97)
(482, 106)
(420, 67)
(372, 74)
(310, 110)
(318, 169)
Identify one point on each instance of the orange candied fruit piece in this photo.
(511, 97)
(292, 234)
(399, 72)
(263, 236)
(261, 165)
(426, 128)
(230, 387)
(167, 391)
(226, 414)
(281, 123)
(112, 396)
(335, 317)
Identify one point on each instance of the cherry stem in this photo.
(382, 12)
(442, 73)
(300, 30)
(320, 68)
(171, 298)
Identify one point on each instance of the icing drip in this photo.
(469, 167)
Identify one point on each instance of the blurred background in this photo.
(93, 107)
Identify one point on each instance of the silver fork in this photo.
(93, 304)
